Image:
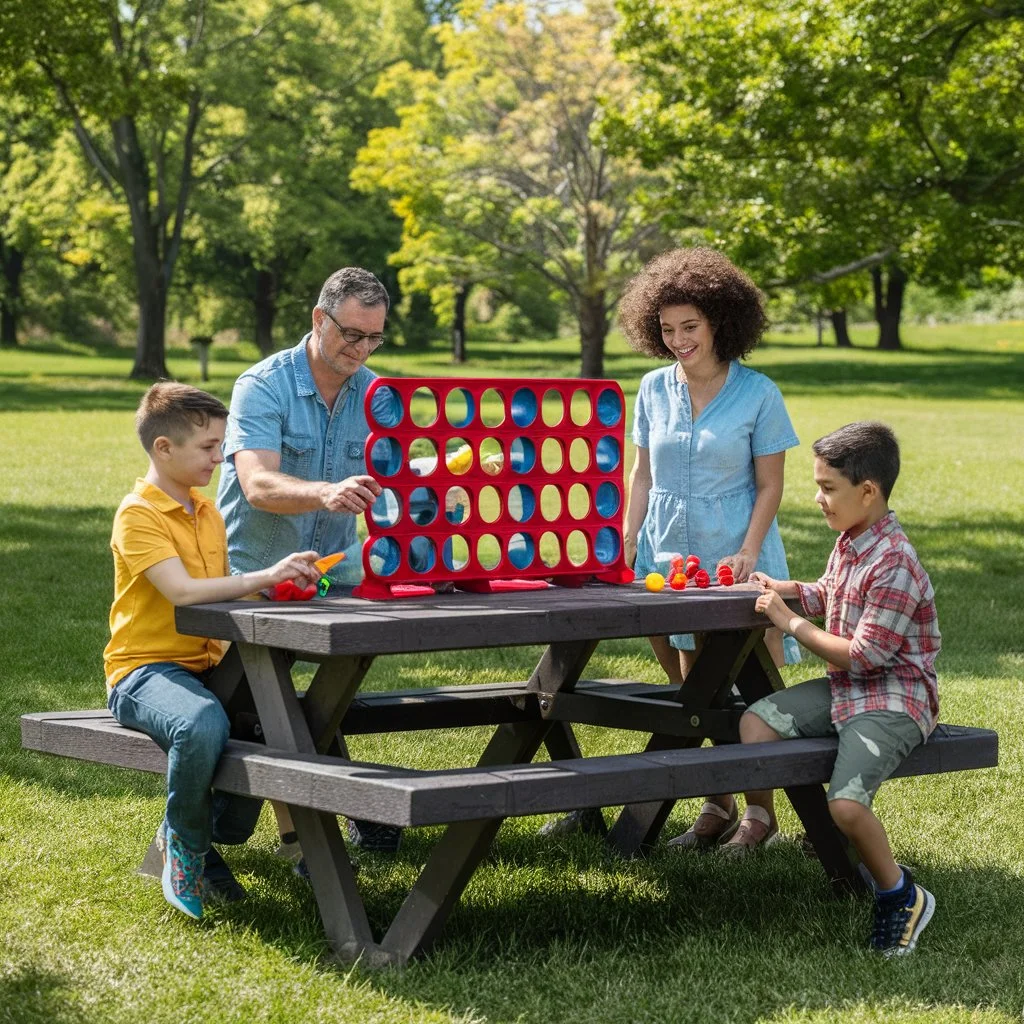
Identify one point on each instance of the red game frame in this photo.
(418, 539)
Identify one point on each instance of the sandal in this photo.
(756, 830)
(714, 825)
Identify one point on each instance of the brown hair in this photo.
(699, 277)
(866, 450)
(173, 410)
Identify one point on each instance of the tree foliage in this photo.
(820, 133)
(495, 168)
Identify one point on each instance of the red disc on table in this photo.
(701, 578)
(678, 581)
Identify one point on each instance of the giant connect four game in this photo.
(493, 484)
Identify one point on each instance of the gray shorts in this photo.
(871, 745)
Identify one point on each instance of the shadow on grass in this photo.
(32, 995)
(544, 921)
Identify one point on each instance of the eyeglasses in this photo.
(352, 337)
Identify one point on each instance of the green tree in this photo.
(894, 131)
(153, 91)
(495, 168)
(275, 221)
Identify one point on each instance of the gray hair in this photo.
(352, 283)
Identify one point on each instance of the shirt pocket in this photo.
(355, 461)
(297, 453)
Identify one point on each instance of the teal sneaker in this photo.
(182, 874)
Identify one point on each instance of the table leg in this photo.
(286, 727)
(465, 844)
(721, 660)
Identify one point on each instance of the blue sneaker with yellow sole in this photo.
(900, 917)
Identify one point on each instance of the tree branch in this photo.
(836, 272)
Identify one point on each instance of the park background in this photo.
(175, 170)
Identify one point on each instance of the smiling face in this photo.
(847, 506)
(689, 336)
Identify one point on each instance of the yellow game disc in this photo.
(654, 581)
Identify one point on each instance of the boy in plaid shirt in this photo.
(880, 641)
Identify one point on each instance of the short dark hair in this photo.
(699, 277)
(866, 450)
(352, 283)
(170, 409)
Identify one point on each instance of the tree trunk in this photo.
(593, 329)
(13, 261)
(839, 326)
(889, 308)
(265, 307)
(150, 363)
(459, 324)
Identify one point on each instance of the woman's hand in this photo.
(742, 564)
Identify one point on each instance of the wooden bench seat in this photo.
(405, 797)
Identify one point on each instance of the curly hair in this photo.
(699, 277)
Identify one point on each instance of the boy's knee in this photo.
(207, 731)
(754, 729)
(846, 813)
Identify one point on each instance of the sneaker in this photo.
(182, 874)
(218, 882)
(372, 836)
(900, 918)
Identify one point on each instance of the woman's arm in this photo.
(769, 473)
(636, 506)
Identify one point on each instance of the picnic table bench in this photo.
(304, 760)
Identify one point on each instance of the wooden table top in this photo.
(346, 625)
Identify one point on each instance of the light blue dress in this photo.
(702, 474)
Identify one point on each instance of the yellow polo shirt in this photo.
(149, 527)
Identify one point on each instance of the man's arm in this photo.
(265, 487)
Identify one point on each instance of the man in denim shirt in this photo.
(294, 476)
(294, 472)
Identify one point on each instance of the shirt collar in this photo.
(304, 384)
(864, 542)
(163, 502)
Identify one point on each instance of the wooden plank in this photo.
(640, 714)
(346, 625)
(402, 796)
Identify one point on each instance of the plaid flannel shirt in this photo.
(876, 594)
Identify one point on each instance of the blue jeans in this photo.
(173, 707)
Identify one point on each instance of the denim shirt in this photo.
(275, 406)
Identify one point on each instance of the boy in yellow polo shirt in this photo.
(170, 548)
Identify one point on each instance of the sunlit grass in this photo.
(548, 931)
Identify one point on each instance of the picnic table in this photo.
(304, 758)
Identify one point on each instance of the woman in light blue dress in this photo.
(711, 438)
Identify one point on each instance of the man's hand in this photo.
(742, 564)
(770, 603)
(353, 494)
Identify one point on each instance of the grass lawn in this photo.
(547, 931)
